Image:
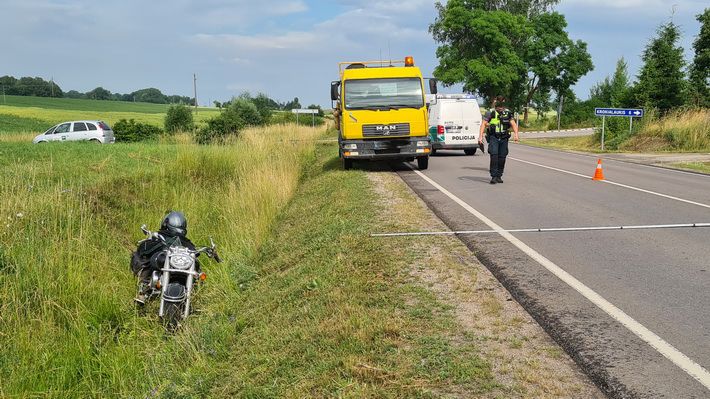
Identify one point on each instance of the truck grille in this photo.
(392, 129)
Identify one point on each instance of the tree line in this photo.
(38, 87)
(521, 50)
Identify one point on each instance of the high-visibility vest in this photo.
(500, 122)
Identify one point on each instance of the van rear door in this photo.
(458, 124)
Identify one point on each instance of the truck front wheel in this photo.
(423, 163)
(347, 163)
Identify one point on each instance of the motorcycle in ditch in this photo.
(175, 279)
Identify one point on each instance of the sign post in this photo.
(630, 113)
(313, 113)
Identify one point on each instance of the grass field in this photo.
(305, 304)
(70, 217)
(681, 131)
(37, 114)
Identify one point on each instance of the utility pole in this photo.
(194, 86)
(3, 95)
(51, 84)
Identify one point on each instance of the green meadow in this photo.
(19, 114)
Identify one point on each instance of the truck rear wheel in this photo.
(423, 163)
(347, 164)
(470, 151)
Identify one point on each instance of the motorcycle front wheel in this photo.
(173, 314)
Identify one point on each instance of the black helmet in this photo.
(175, 224)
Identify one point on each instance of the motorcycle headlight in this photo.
(181, 261)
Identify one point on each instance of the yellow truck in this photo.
(380, 112)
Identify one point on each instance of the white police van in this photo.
(454, 122)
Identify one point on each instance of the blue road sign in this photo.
(633, 112)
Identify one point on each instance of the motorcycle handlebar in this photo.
(210, 251)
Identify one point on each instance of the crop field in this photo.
(20, 114)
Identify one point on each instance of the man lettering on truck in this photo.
(497, 125)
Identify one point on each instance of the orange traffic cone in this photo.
(599, 173)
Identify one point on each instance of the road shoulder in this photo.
(525, 360)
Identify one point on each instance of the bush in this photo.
(179, 118)
(226, 124)
(247, 111)
(129, 131)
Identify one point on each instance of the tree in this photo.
(178, 117)
(295, 104)
(553, 60)
(317, 107)
(700, 69)
(661, 81)
(613, 92)
(265, 105)
(479, 48)
(73, 94)
(149, 95)
(247, 111)
(8, 83)
(99, 93)
(509, 48)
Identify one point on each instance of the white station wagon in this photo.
(95, 131)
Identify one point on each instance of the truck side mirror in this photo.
(432, 86)
(334, 90)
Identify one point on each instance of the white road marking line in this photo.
(664, 348)
(546, 230)
(614, 183)
(623, 161)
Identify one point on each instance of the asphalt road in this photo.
(650, 337)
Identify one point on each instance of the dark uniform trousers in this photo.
(498, 150)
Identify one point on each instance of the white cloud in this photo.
(258, 43)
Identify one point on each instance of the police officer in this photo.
(496, 125)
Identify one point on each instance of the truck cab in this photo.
(381, 112)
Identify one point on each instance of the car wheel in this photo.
(470, 151)
(95, 141)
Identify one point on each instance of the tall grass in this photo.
(682, 130)
(70, 215)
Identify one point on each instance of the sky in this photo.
(284, 48)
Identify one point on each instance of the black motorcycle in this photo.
(174, 280)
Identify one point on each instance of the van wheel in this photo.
(423, 163)
(470, 151)
(347, 164)
(95, 141)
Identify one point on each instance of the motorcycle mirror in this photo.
(212, 242)
(144, 229)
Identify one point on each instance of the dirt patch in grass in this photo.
(523, 359)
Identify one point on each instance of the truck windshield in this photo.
(383, 94)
